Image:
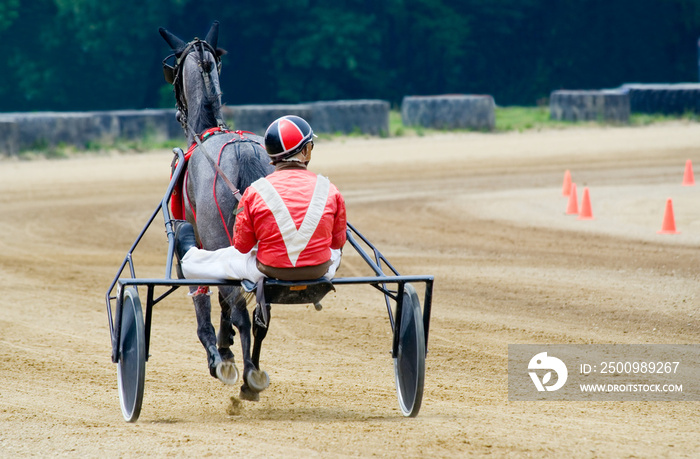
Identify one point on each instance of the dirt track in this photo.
(483, 213)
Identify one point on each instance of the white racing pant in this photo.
(229, 263)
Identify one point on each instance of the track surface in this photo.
(481, 212)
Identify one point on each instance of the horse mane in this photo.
(207, 115)
(203, 112)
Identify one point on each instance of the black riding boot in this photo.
(184, 238)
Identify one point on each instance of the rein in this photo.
(174, 75)
(217, 169)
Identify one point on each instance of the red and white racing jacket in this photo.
(295, 217)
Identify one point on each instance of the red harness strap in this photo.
(177, 201)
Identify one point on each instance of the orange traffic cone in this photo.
(688, 177)
(669, 224)
(572, 207)
(566, 186)
(586, 212)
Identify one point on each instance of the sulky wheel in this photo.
(131, 368)
(409, 363)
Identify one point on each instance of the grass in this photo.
(644, 119)
(507, 119)
(525, 118)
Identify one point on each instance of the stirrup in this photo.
(248, 285)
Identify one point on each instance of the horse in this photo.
(219, 160)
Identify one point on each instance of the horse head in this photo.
(194, 75)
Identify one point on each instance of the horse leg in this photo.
(254, 380)
(229, 372)
(226, 332)
(207, 336)
(258, 379)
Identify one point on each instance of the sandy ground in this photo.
(483, 213)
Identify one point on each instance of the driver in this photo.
(291, 225)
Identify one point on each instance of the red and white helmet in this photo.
(286, 137)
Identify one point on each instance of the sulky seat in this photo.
(290, 292)
(296, 292)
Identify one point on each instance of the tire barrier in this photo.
(256, 118)
(590, 105)
(26, 131)
(9, 138)
(449, 112)
(330, 117)
(351, 116)
(668, 99)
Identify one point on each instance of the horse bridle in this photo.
(173, 75)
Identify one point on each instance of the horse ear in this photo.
(175, 43)
(213, 34)
(221, 52)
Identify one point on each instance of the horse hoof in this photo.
(257, 380)
(227, 372)
(248, 394)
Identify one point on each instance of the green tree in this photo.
(9, 12)
(92, 54)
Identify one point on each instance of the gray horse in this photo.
(209, 201)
